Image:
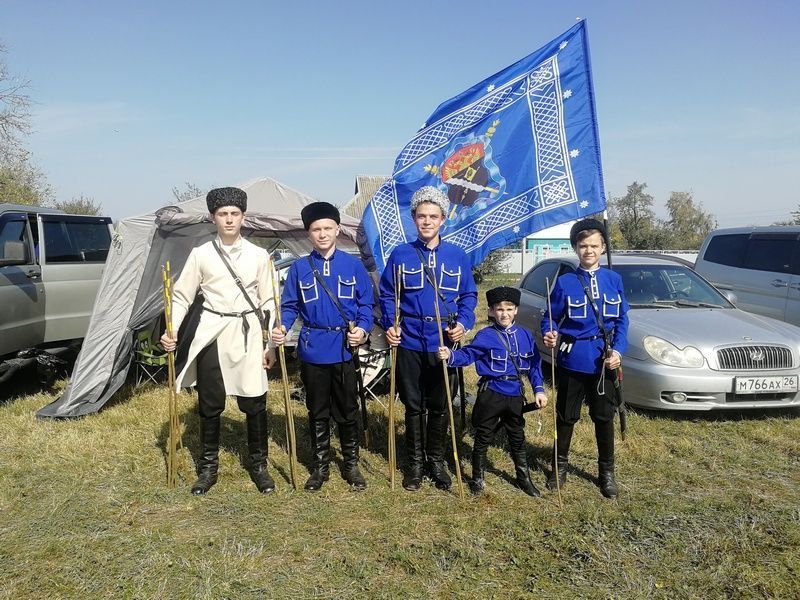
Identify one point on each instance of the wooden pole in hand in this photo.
(174, 423)
(553, 400)
(393, 384)
(447, 390)
(287, 401)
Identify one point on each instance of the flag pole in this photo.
(287, 402)
(174, 422)
(393, 383)
(555, 397)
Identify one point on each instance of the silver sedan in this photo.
(690, 348)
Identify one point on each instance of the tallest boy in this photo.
(420, 378)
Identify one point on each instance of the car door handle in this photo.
(779, 283)
(33, 273)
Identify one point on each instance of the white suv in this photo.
(760, 265)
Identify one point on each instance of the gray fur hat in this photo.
(432, 195)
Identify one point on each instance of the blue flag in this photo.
(516, 153)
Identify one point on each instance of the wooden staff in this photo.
(287, 401)
(393, 383)
(447, 390)
(555, 412)
(174, 422)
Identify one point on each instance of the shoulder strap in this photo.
(238, 281)
(334, 299)
(595, 310)
(430, 275)
(508, 349)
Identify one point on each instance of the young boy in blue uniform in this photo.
(580, 302)
(420, 380)
(327, 369)
(503, 354)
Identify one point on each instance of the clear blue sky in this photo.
(133, 98)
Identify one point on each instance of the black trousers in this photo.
(493, 410)
(574, 388)
(211, 388)
(420, 382)
(331, 391)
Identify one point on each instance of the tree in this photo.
(22, 183)
(82, 205)
(688, 224)
(795, 220)
(634, 216)
(14, 113)
(494, 262)
(191, 192)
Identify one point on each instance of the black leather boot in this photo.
(412, 480)
(604, 432)
(257, 446)
(320, 432)
(348, 434)
(208, 465)
(564, 433)
(436, 443)
(478, 483)
(523, 479)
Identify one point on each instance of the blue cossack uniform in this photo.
(323, 335)
(581, 342)
(453, 273)
(495, 366)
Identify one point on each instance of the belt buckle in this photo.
(429, 319)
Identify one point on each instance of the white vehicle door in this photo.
(764, 287)
(793, 296)
(75, 250)
(21, 291)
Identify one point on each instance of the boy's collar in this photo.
(317, 253)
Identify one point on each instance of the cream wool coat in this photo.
(242, 369)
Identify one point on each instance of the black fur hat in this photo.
(501, 294)
(585, 225)
(226, 196)
(318, 210)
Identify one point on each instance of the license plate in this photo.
(762, 385)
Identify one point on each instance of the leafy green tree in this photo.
(634, 218)
(22, 183)
(82, 205)
(688, 224)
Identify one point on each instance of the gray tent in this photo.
(130, 293)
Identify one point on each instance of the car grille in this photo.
(750, 358)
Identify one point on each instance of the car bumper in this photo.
(650, 385)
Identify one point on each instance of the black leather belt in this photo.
(327, 327)
(423, 318)
(240, 315)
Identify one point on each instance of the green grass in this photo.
(709, 508)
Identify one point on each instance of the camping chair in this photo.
(375, 369)
(150, 359)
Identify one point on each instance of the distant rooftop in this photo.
(366, 186)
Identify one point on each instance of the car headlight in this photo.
(669, 354)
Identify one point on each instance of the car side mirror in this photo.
(13, 254)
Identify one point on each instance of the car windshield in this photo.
(675, 286)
